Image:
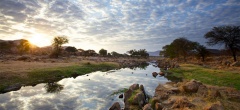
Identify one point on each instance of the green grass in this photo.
(55, 74)
(207, 75)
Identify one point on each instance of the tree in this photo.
(58, 41)
(201, 51)
(138, 53)
(227, 35)
(71, 49)
(24, 46)
(180, 47)
(103, 52)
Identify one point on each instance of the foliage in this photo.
(207, 75)
(24, 46)
(71, 49)
(58, 41)
(103, 52)
(201, 51)
(227, 35)
(138, 53)
(53, 87)
(180, 47)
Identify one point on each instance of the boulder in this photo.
(127, 95)
(147, 107)
(215, 106)
(139, 99)
(121, 96)
(115, 106)
(161, 74)
(154, 74)
(191, 87)
(134, 87)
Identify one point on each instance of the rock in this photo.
(213, 93)
(121, 96)
(202, 90)
(115, 106)
(182, 102)
(161, 92)
(127, 95)
(191, 87)
(154, 74)
(134, 87)
(215, 106)
(158, 106)
(161, 73)
(147, 107)
(139, 99)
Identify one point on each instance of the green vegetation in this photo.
(103, 52)
(119, 91)
(207, 75)
(55, 74)
(131, 99)
(57, 44)
(138, 53)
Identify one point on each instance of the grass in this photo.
(54, 74)
(208, 75)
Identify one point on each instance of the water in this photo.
(94, 91)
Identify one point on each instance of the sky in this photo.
(115, 25)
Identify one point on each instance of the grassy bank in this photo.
(208, 75)
(45, 75)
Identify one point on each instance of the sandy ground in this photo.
(20, 68)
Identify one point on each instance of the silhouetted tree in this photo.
(57, 44)
(71, 49)
(179, 47)
(103, 52)
(24, 46)
(227, 35)
(201, 51)
(138, 53)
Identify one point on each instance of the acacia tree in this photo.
(103, 52)
(58, 41)
(179, 47)
(201, 51)
(24, 46)
(227, 35)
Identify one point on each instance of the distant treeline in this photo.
(229, 36)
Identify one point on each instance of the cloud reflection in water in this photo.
(81, 93)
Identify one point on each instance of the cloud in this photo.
(116, 23)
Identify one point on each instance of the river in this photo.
(93, 91)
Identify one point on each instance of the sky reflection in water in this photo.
(87, 92)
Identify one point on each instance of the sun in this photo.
(39, 40)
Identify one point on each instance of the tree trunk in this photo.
(234, 54)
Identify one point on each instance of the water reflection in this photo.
(141, 66)
(53, 87)
(80, 93)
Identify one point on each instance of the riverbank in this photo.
(15, 74)
(219, 77)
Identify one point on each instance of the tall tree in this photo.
(180, 47)
(24, 46)
(227, 35)
(58, 41)
(103, 52)
(201, 51)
